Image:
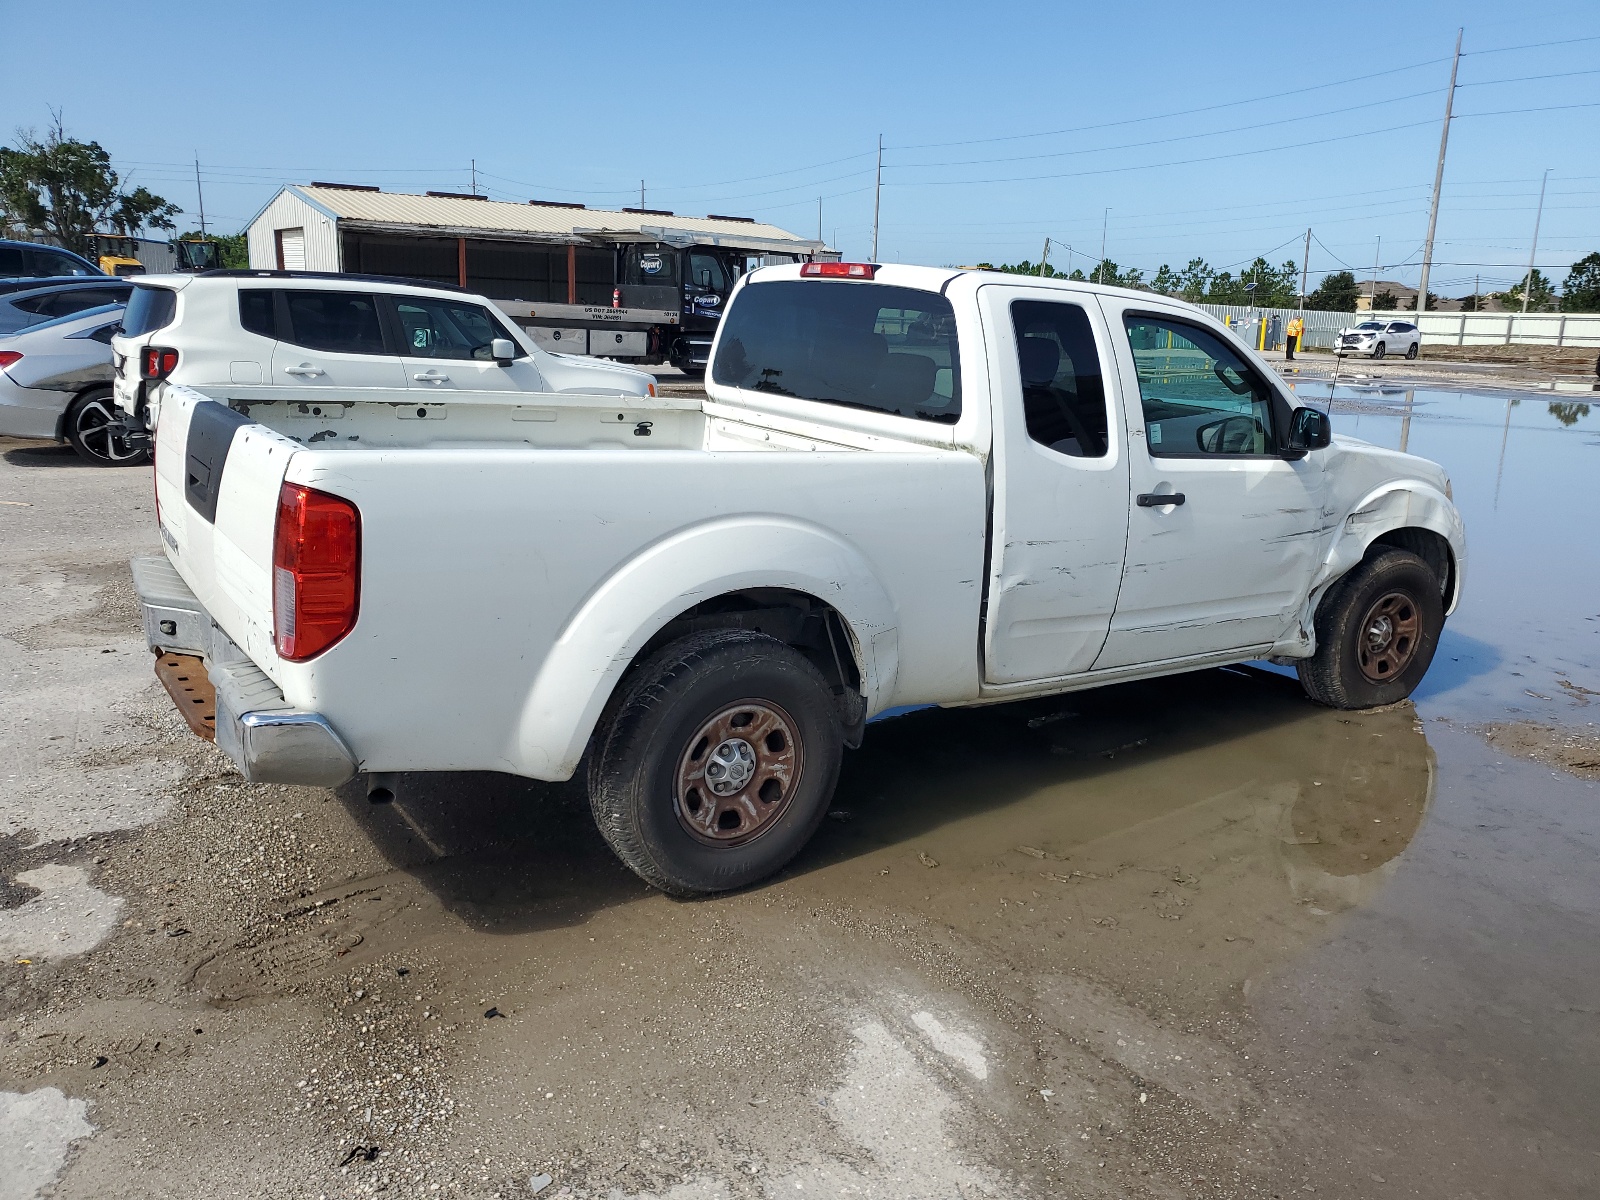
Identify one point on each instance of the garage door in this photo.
(291, 249)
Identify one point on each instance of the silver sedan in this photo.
(55, 382)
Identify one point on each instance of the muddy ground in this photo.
(1194, 938)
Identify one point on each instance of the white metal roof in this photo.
(447, 214)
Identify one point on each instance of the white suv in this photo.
(1380, 338)
(269, 334)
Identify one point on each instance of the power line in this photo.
(1185, 137)
(1186, 112)
(1531, 46)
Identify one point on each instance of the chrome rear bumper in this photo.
(269, 740)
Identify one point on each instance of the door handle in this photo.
(1159, 499)
(431, 377)
(304, 369)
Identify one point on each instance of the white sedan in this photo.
(55, 382)
(1377, 339)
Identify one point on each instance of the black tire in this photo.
(1413, 350)
(649, 740)
(1352, 608)
(84, 428)
(1380, 350)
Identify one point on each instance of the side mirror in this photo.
(1309, 429)
(502, 350)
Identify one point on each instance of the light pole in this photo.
(1533, 254)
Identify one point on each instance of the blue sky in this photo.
(1205, 129)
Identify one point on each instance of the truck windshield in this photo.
(864, 345)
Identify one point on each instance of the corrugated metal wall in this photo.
(1438, 328)
(289, 211)
(1321, 327)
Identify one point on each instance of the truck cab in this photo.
(695, 281)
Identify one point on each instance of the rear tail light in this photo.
(7, 357)
(316, 571)
(157, 362)
(840, 270)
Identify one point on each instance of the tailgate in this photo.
(218, 474)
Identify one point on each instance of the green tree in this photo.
(66, 189)
(1473, 303)
(1568, 412)
(1336, 293)
(1581, 291)
(1385, 300)
(1166, 281)
(1541, 296)
(1194, 281)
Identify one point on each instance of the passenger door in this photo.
(332, 339)
(1060, 486)
(1224, 564)
(445, 348)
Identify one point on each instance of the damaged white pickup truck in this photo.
(907, 486)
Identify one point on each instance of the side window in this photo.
(1199, 396)
(705, 270)
(106, 332)
(447, 329)
(339, 322)
(1063, 394)
(11, 261)
(256, 311)
(64, 304)
(46, 263)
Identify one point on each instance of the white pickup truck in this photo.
(906, 486)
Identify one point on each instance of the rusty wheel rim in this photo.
(738, 773)
(1389, 635)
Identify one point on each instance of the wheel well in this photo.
(1427, 545)
(61, 421)
(814, 628)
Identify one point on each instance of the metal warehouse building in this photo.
(536, 252)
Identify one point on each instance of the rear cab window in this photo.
(149, 309)
(861, 345)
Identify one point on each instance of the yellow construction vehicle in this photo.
(117, 255)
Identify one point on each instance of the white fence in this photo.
(1438, 328)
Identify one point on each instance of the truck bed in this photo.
(499, 542)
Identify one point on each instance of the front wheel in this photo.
(1379, 350)
(1413, 350)
(1377, 629)
(91, 428)
(717, 763)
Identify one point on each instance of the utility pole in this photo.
(877, 195)
(474, 177)
(201, 193)
(1305, 271)
(1527, 283)
(1044, 257)
(819, 218)
(1438, 181)
(1477, 296)
(641, 193)
(1372, 296)
(1100, 271)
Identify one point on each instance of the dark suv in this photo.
(29, 260)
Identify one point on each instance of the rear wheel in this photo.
(1379, 350)
(717, 763)
(1377, 629)
(1414, 349)
(91, 424)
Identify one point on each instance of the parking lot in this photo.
(1195, 937)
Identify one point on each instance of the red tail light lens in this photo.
(157, 362)
(7, 357)
(316, 571)
(839, 270)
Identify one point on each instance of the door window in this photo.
(448, 329)
(1200, 399)
(339, 322)
(1063, 394)
(705, 271)
(11, 261)
(62, 304)
(47, 263)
